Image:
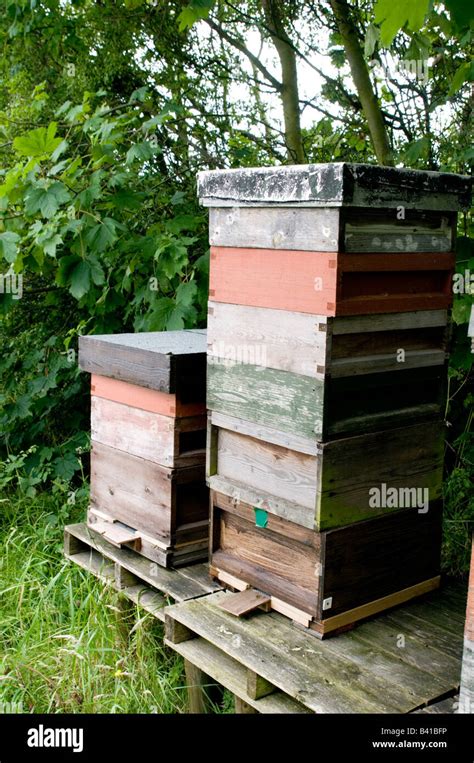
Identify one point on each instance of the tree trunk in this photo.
(361, 77)
(289, 73)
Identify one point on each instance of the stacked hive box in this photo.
(148, 423)
(327, 349)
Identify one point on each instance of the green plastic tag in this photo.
(261, 517)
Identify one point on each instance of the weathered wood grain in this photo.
(177, 584)
(374, 283)
(269, 562)
(144, 495)
(381, 230)
(415, 320)
(268, 468)
(285, 401)
(167, 361)
(306, 229)
(333, 486)
(151, 436)
(368, 560)
(334, 184)
(300, 281)
(240, 493)
(375, 401)
(288, 341)
(406, 457)
(141, 397)
(261, 432)
(230, 674)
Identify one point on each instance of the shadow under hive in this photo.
(330, 289)
(148, 420)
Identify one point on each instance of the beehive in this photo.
(328, 338)
(148, 426)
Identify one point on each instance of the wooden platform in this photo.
(400, 662)
(140, 580)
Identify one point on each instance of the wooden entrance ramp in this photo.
(139, 579)
(400, 662)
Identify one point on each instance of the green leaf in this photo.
(372, 36)
(185, 293)
(463, 74)
(393, 15)
(46, 199)
(80, 280)
(195, 11)
(101, 236)
(142, 151)
(38, 143)
(9, 245)
(417, 150)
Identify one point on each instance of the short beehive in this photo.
(148, 422)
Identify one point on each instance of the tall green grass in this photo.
(68, 643)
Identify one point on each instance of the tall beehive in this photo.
(148, 424)
(330, 289)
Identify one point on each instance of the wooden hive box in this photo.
(330, 484)
(326, 581)
(317, 378)
(148, 431)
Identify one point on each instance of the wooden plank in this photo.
(151, 436)
(294, 614)
(293, 661)
(262, 432)
(148, 502)
(267, 468)
(156, 360)
(364, 611)
(297, 281)
(172, 583)
(288, 341)
(334, 184)
(379, 557)
(444, 707)
(258, 687)
(118, 535)
(281, 508)
(350, 468)
(277, 228)
(268, 397)
(378, 230)
(242, 707)
(420, 319)
(244, 602)
(143, 501)
(141, 397)
(196, 684)
(228, 672)
(417, 686)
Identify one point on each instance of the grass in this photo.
(65, 639)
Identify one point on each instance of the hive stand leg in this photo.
(199, 686)
(242, 707)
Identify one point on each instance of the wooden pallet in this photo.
(140, 580)
(272, 666)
